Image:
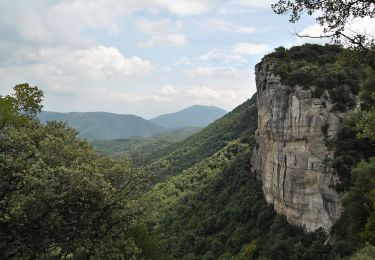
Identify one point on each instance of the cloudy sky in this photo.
(143, 57)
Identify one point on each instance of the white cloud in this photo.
(203, 92)
(59, 23)
(162, 32)
(253, 3)
(226, 97)
(227, 26)
(102, 62)
(167, 93)
(111, 96)
(183, 8)
(233, 55)
(176, 39)
(243, 7)
(223, 97)
(169, 90)
(359, 25)
(249, 48)
(199, 72)
(362, 25)
(157, 26)
(65, 48)
(97, 62)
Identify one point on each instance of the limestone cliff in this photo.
(291, 157)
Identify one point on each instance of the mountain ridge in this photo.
(102, 125)
(193, 116)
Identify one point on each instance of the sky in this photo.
(143, 57)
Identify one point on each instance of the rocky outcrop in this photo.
(291, 157)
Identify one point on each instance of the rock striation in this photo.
(291, 157)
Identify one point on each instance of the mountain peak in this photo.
(196, 115)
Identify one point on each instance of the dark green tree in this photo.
(58, 198)
(335, 17)
(23, 105)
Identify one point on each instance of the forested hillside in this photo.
(238, 124)
(59, 199)
(213, 208)
(101, 125)
(216, 210)
(288, 174)
(194, 199)
(197, 116)
(139, 149)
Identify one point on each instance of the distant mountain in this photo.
(109, 126)
(194, 116)
(105, 126)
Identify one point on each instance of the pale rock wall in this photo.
(291, 157)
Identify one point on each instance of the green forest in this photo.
(188, 193)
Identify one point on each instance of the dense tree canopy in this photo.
(58, 197)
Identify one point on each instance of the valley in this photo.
(212, 131)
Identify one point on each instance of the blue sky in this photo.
(144, 57)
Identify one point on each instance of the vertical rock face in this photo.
(291, 157)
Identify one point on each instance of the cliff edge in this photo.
(291, 157)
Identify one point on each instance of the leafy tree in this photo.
(356, 226)
(365, 253)
(366, 125)
(27, 99)
(172, 160)
(24, 104)
(333, 15)
(320, 68)
(58, 198)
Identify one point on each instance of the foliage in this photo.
(367, 93)
(172, 160)
(320, 68)
(107, 126)
(23, 105)
(213, 209)
(27, 100)
(349, 150)
(366, 253)
(58, 197)
(367, 125)
(78, 204)
(357, 223)
(139, 149)
(334, 16)
(217, 207)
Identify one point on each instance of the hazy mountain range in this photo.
(108, 126)
(194, 116)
